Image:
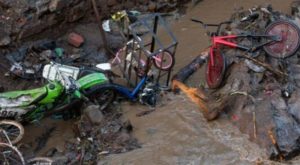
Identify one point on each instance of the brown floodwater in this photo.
(177, 133)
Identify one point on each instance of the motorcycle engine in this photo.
(149, 95)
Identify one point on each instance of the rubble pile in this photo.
(260, 103)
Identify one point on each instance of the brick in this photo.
(75, 39)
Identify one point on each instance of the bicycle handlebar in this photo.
(251, 17)
(215, 25)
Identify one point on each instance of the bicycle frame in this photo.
(130, 94)
(223, 40)
(117, 59)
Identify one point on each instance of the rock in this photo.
(53, 5)
(4, 41)
(93, 114)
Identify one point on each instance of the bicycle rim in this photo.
(290, 39)
(10, 155)
(13, 129)
(215, 72)
(165, 62)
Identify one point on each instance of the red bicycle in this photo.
(280, 40)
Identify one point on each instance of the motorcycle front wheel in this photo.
(12, 130)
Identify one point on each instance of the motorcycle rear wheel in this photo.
(101, 95)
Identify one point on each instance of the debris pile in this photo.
(99, 136)
(258, 101)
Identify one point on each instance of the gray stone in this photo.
(93, 113)
(5, 40)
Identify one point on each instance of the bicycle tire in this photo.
(5, 148)
(167, 56)
(215, 74)
(290, 42)
(15, 124)
(97, 92)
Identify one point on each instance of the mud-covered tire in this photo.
(10, 155)
(102, 95)
(215, 72)
(290, 35)
(13, 129)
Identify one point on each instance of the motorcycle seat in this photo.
(22, 98)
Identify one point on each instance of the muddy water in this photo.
(177, 133)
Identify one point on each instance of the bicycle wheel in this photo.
(13, 129)
(102, 95)
(164, 60)
(215, 72)
(40, 161)
(10, 155)
(290, 39)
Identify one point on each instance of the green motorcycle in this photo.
(66, 87)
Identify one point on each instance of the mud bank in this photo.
(22, 20)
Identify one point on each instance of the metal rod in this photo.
(99, 21)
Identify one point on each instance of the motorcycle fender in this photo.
(92, 80)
